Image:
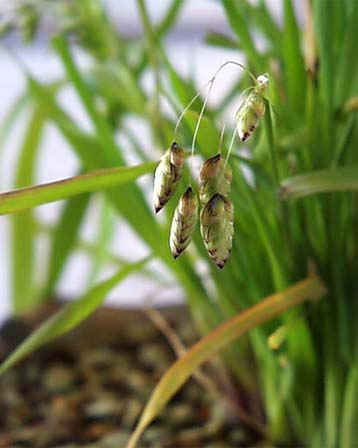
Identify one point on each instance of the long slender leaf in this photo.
(180, 371)
(324, 18)
(348, 431)
(23, 232)
(236, 17)
(118, 83)
(324, 181)
(170, 17)
(263, 19)
(293, 59)
(64, 238)
(102, 239)
(221, 41)
(11, 117)
(69, 316)
(25, 198)
(347, 67)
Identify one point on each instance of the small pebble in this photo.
(58, 378)
(104, 407)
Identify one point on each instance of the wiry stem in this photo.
(211, 83)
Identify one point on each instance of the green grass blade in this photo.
(117, 83)
(152, 42)
(263, 19)
(11, 117)
(221, 41)
(239, 24)
(323, 181)
(25, 198)
(65, 237)
(87, 147)
(182, 369)
(295, 76)
(183, 89)
(22, 227)
(349, 424)
(69, 316)
(109, 147)
(102, 239)
(170, 17)
(347, 66)
(324, 31)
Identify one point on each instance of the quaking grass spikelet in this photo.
(167, 176)
(217, 228)
(183, 224)
(252, 109)
(215, 177)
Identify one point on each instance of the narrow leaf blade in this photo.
(25, 198)
(69, 316)
(348, 434)
(22, 228)
(65, 237)
(293, 59)
(324, 181)
(180, 371)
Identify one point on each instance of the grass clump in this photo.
(304, 360)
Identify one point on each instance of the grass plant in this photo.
(295, 216)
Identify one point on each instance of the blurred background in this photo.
(190, 55)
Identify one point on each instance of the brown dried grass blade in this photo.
(183, 368)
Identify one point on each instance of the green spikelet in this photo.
(167, 176)
(252, 109)
(215, 177)
(185, 218)
(217, 228)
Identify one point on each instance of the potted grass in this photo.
(277, 199)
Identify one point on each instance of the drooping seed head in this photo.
(183, 224)
(177, 155)
(188, 203)
(215, 177)
(249, 115)
(211, 167)
(217, 228)
(167, 176)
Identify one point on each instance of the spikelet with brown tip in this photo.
(183, 224)
(167, 176)
(252, 109)
(249, 116)
(217, 228)
(215, 177)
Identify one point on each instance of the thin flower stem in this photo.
(198, 125)
(210, 83)
(181, 116)
(230, 146)
(222, 133)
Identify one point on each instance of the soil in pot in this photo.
(88, 388)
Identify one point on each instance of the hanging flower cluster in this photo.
(216, 209)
